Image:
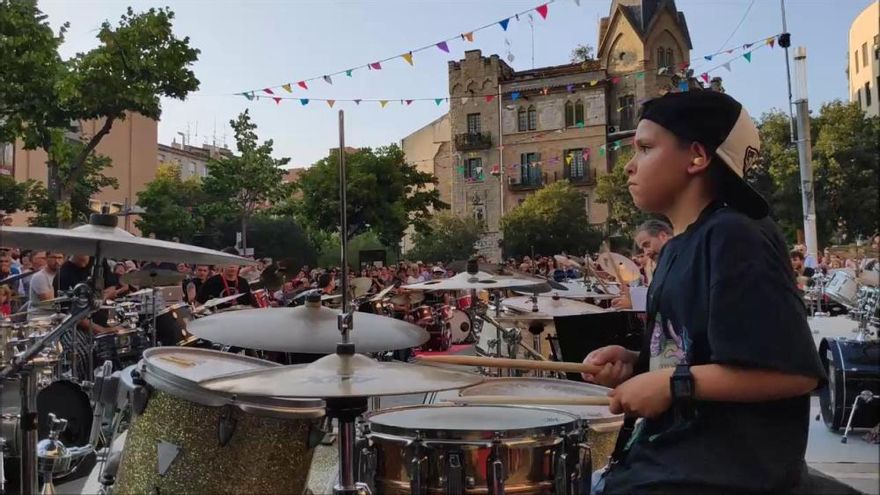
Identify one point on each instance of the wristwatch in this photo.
(681, 385)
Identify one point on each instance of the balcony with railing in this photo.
(528, 179)
(473, 141)
(588, 178)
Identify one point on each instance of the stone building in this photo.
(863, 68)
(549, 123)
(192, 160)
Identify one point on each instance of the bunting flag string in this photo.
(683, 85)
(443, 45)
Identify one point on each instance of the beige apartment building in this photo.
(513, 132)
(192, 160)
(863, 71)
(131, 146)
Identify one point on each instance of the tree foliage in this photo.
(582, 53)
(171, 205)
(550, 221)
(845, 172)
(136, 62)
(385, 194)
(18, 196)
(448, 238)
(273, 237)
(611, 189)
(239, 185)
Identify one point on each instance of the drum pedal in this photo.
(226, 424)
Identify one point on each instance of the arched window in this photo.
(670, 61)
(533, 118)
(522, 120)
(579, 113)
(569, 114)
(661, 57)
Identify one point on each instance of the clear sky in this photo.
(249, 44)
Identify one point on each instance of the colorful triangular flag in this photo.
(542, 10)
(708, 57)
(330, 103)
(277, 100)
(594, 82)
(357, 102)
(465, 99)
(705, 76)
(748, 56)
(503, 23)
(408, 58)
(302, 84)
(640, 75)
(443, 46)
(249, 96)
(771, 41)
(304, 101)
(726, 65)
(438, 101)
(287, 87)
(489, 98)
(570, 88)
(514, 96)
(683, 85)
(383, 103)
(376, 66)
(469, 36)
(348, 73)
(408, 102)
(602, 150)
(269, 91)
(615, 80)
(577, 2)
(328, 80)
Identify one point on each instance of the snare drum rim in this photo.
(616, 418)
(509, 436)
(191, 391)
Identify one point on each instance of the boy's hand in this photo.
(646, 395)
(617, 363)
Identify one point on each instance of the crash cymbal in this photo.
(544, 284)
(411, 298)
(141, 292)
(339, 376)
(152, 278)
(466, 281)
(577, 290)
(113, 242)
(551, 306)
(569, 260)
(612, 263)
(360, 286)
(307, 329)
(381, 295)
(217, 301)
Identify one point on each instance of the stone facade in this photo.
(192, 160)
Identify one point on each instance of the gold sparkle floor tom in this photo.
(598, 424)
(440, 449)
(187, 439)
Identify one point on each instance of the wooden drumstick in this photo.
(524, 364)
(593, 400)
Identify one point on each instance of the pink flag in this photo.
(542, 9)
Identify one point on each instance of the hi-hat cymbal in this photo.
(360, 286)
(307, 329)
(113, 242)
(217, 301)
(466, 281)
(613, 263)
(152, 278)
(381, 295)
(551, 306)
(577, 290)
(404, 298)
(339, 376)
(544, 284)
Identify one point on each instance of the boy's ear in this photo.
(701, 158)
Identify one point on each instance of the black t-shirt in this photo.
(723, 293)
(70, 274)
(216, 287)
(196, 282)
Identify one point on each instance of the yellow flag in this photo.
(331, 102)
(287, 87)
(595, 82)
(383, 103)
(408, 58)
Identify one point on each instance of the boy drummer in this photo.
(723, 380)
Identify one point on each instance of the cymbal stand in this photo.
(155, 292)
(345, 410)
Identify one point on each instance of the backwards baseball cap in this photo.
(723, 126)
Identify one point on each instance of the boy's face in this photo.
(658, 171)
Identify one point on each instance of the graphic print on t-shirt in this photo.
(669, 347)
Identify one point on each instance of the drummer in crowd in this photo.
(227, 283)
(77, 270)
(192, 285)
(114, 279)
(42, 286)
(650, 238)
(798, 266)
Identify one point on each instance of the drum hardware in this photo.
(865, 396)
(52, 455)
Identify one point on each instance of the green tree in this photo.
(18, 196)
(611, 189)
(845, 172)
(582, 53)
(137, 62)
(330, 253)
(171, 205)
(548, 222)
(239, 185)
(385, 194)
(273, 237)
(448, 238)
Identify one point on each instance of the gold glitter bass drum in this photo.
(187, 439)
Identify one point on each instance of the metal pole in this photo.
(343, 213)
(500, 154)
(28, 426)
(805, 152)
(785, 45)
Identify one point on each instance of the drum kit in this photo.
(208, 421)
(851, 396)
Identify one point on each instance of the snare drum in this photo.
(843, 288)
(187, 439)
(598, 424)
(464, 302)
(423, 315)
(472, 450)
